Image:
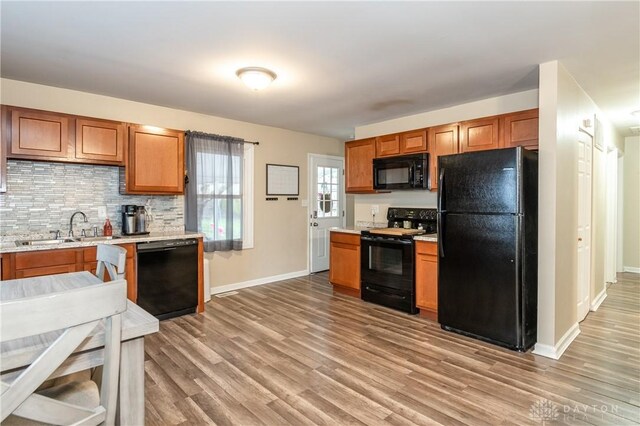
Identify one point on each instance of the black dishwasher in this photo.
(168, 277)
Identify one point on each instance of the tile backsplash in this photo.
(42, 196)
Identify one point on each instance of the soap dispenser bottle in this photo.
(107, 231)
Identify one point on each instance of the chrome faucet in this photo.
(71, 222)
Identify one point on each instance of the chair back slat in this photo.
(111, 259)
(39, 370)
(31, 316)
(77, 312)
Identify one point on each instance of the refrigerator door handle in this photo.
(440, 189)
(440, 232)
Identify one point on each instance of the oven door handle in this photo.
(378, 240)
(396, 296)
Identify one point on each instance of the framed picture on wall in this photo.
(283, 180)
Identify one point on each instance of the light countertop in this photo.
(10, 246)
(432, 238)
(358, 229)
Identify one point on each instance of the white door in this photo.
(326, 206)
(585, 155)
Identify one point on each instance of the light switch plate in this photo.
(375, 209)
(102, 212)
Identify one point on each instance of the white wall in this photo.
(620, 222)
(280, 238)
(563, 107)
(483, 108)
(631, 214)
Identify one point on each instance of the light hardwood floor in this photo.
(294, 353)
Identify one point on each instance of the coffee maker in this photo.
(134, 220)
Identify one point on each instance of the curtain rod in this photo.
(252, 143)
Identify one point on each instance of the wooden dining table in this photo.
(18, 354)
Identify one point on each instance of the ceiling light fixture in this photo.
(256, 78)
(636, 113)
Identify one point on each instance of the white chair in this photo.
(113, 259)
(76, 313)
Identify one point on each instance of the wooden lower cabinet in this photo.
(344, 261)
(61, 261)
(427, 278)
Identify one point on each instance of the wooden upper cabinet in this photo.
(39, 134)
(30, 134)
(358, 158)
(443, 140)
(100, 140)
(521, 129)
(388, 145)
(413, 142)
(155, 164)
(3, 149)
(481, 134)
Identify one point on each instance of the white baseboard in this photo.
(598, 300)
(555, 352)
(258, 281)
(631, 269)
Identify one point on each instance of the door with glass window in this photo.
(326, 206)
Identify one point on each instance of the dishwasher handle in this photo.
(165, 245)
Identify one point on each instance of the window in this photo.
(219, 201)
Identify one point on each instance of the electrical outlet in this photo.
(375, 209)
(102, 212)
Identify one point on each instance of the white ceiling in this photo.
(340, 65)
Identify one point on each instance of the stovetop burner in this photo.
(413, 218)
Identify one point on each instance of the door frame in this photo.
(586, 285)
(311, 202)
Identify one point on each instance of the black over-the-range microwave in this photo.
(402, 172)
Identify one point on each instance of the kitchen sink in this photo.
(88, 239)
(46, 242)
(56, 241)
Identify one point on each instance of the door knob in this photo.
(580, 239)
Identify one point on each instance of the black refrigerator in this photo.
(488, 243)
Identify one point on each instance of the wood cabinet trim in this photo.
(388, 145)
(359, 166)
(435, 149)
(58, 124)
(420, 134)
(427, 278)
(493, 125)
(529, 129)
(131, 184)
(4, 140)
(119, 130)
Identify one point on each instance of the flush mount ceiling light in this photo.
(256, 78)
